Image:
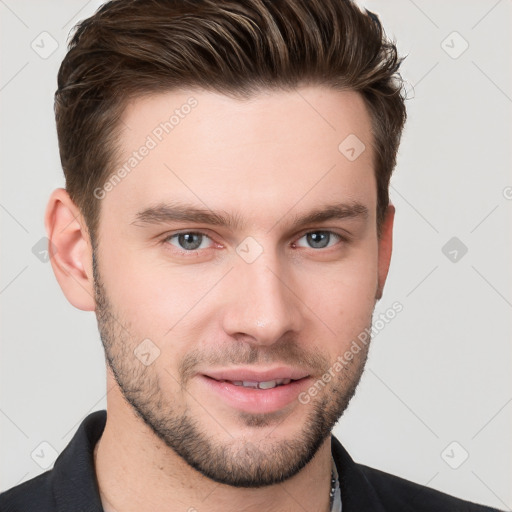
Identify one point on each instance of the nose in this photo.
(260, 303)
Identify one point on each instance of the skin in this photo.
(266, 161)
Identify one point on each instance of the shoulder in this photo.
(70, 484)
(401, 494)
(21, 498)
(368, 489)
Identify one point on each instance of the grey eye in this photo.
(319, 239)
(189, 241)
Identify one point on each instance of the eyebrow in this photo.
(177, 212)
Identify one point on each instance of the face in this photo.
(237, 260)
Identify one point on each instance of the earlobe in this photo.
(70, 250)
(385, 249)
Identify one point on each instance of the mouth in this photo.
(256, 392)
(253, 384)
(254, 377)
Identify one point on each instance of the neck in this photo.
(136, 471)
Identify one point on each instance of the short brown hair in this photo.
(134, 47)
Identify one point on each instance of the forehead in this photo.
(273, 152)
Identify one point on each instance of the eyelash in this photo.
(167, 238)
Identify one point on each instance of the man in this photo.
(226, 216)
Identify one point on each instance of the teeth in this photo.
(269, 384)
(249, 384)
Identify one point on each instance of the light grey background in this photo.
(439, 373)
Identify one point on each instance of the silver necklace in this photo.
(335, 494)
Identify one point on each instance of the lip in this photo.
(251, 400)
(250, 374)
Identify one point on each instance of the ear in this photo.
(385, 249)
(70, 250)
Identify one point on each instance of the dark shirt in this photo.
(71, 485)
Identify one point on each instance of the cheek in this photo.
(343, 296)
(167, 304)
(141, 301)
